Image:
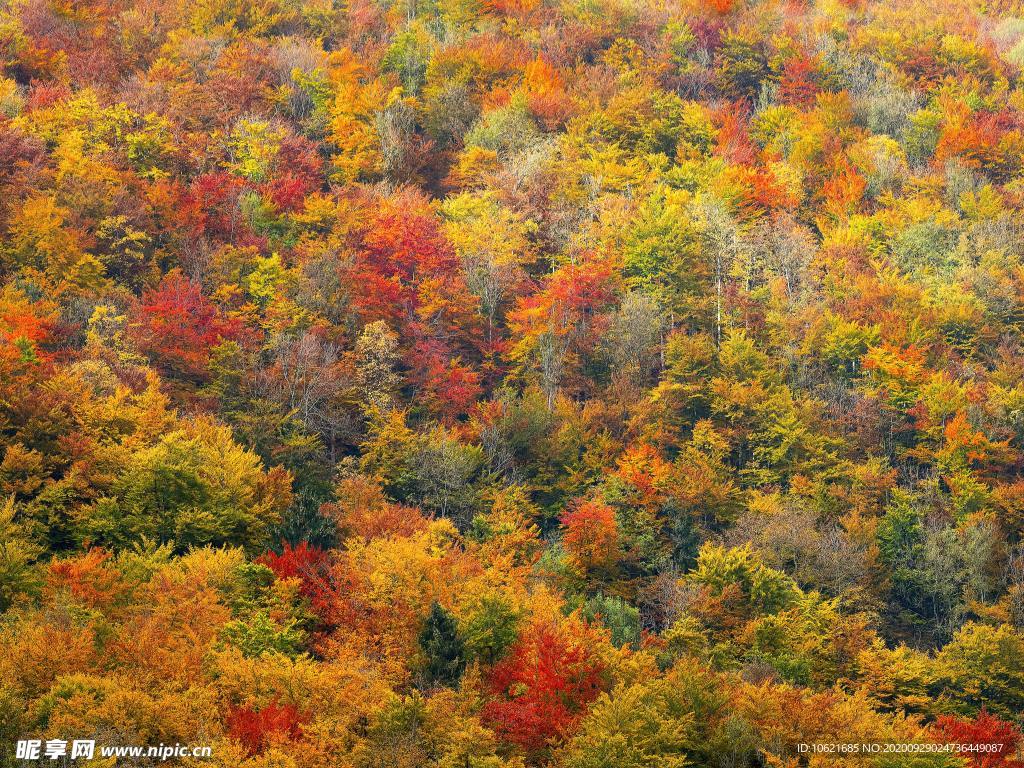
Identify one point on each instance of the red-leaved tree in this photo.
(257, 729)
(176, 327)
(311, 565)
(997, 741)
(541, 688)
(591, 537)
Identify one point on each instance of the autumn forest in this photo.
(513, 383)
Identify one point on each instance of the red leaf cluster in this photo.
(311, 565)
(982, 732)
(257, 729)
(541, 689)
(176, 326)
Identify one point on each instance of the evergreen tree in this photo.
(443, 648)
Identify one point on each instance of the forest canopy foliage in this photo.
(513, 383)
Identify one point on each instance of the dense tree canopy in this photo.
(518, 383)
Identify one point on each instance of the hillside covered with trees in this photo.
(513, 383)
